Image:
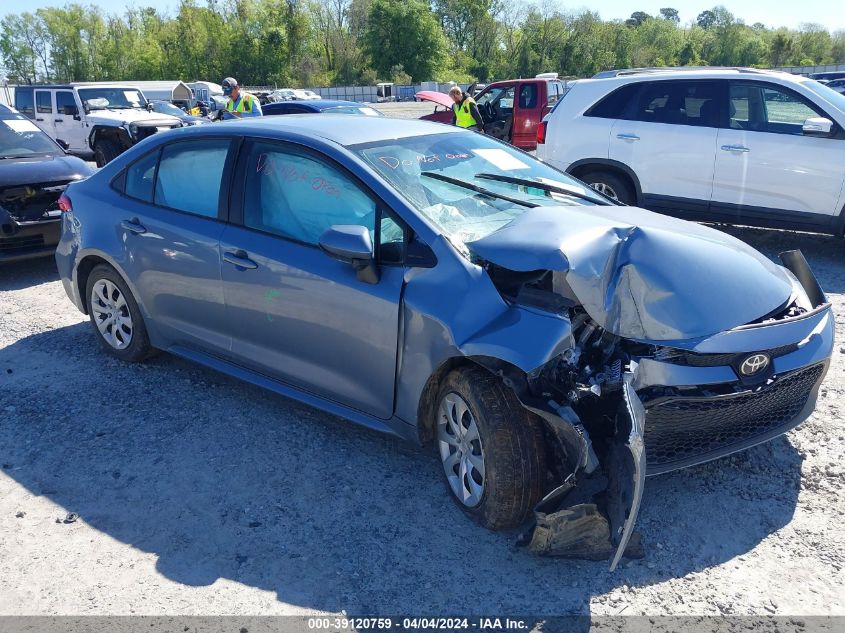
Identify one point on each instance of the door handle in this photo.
(39, 119)
(239, 258)
(735, 148)
(628, 137)
(58, 120)
(133, 225)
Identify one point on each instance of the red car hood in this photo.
(437, 97)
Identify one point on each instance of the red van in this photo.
(512, 109)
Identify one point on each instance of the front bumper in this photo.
(28, 240)
(697, 414)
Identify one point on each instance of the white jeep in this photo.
(98, 121)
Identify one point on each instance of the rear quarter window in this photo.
(614, 105)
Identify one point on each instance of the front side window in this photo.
(767, 108)
(43, 102)
(679, 103)
(65, 103)
(500, 99)
(438, 174)
(297, 196)
(190, 176)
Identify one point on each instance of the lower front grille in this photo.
(681, 430)
(19, 245)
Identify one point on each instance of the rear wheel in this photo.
(115, 316)
(611, 185)
(491, 449)
(106, 150)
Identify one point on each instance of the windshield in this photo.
(112, 98)
(20, 137)
(167, 108)
(360, 110)
(834, 98)
(420, 167)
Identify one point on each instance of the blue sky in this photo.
(775, 14)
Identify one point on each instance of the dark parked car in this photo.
(34, 171)
(326, 106)
(445, 287)
(165, 107)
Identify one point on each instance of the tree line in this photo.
(349, 42)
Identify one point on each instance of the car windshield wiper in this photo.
(477, 189)
(600, 200)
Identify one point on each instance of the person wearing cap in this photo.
(465, 112)
(240, 104)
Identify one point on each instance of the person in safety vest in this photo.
(465, 111)
(240, 104)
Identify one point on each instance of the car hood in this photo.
(131, 116)
(437, 97)
(642, 275)
(42, 169)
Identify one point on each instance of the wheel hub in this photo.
(459, 444)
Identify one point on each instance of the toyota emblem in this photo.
(754, 364)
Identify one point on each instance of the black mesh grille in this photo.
(683, 428)
(17, 245)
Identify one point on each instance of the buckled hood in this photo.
(642, 275)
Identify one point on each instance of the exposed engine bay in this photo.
(29, 203)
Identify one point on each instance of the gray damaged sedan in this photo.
(554, 347)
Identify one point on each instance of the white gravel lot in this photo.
(200, 495)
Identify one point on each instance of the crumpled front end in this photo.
(670, 362)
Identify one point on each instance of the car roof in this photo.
(336, 128)
(701, 72)
(321, 104)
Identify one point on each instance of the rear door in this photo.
(766, 167)
(171, 226)
(529, 108)
(44, 111)
(667, 136)
(297, 314)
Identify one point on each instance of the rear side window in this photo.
(140, 177)
(190, 175)
(679, 103)
(43, 102)
(528, 96)
(614, 105)
(24, 102)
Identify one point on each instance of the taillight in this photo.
(541, 132)
(65, 204)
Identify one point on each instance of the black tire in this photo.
(139, 346)
(514, 454)
(106, 150)
(619, 185)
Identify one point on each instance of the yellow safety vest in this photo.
(244, 104)
(463, 116)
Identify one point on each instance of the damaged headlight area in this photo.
(609, 401)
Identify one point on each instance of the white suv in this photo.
(97, 121)
(730, 145)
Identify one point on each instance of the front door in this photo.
(668, 137)
(765, 165)
(297, 314)
(171, 230)
(67, 122)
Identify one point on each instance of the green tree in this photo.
(405, 32)
(671, 15)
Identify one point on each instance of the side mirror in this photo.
(817, 126)
(63, 144)
(149, 107)
(351, 244)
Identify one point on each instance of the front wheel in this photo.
(115, 315)
(491, 449)
(106, 150)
